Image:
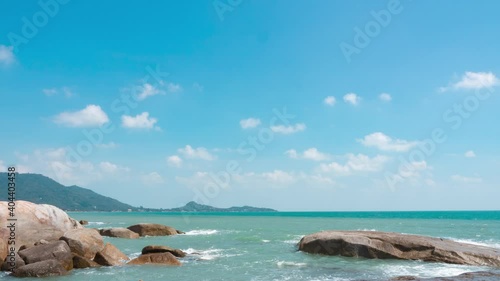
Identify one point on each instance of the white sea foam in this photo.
(488, 243)
(96, 223)
(423, 270)
(202, 232)
(266, 241)
(282, 264)
(295, 239)
(365, 229)
(208, 255)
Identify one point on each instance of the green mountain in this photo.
(195, 207)
(43, 190)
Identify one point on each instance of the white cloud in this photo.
(174, 88)
(330, 100)
(152, 178)
(196, 153)
(280, 177)
(140, 121)
(90, 116)
(281, 129)
(174, 161)
(360, 162)
(385, 97)
(386, 143)
(3, 168)
(310, 154)
(462, 179)
(352, 98)
(249, 123)
(147, 90)
(473, 81)
(49, 92)
(111, 168)
(198, 87)
(470, 154)
(7, 55)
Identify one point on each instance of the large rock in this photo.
(384, 245)
(119, 232)
(85, 242)
(163, 249)
(58, 250)
(157, 258)
(469, 276)
(34, 223)
(152, 229)
(82, 262)
(12, 262)
(4, 234)
(41, 269)
(110, 256)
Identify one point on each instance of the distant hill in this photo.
(195, 207)
(43, 190)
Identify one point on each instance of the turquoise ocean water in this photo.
(262, 246)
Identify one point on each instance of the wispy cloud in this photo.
(385, 97)
(310, 154)
(196, 153)
(7, 55)
(354, 163)
(470, 154)
(291, 129)
(383, 142)
(66, 91)
(174, 161)
(249, 123)
(463, 179)
(147, 90)
(330, 100)
(90, 116)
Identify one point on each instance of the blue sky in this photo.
(331, 105)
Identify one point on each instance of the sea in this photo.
(263, 246)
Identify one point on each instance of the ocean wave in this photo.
(282, 264)
(366, 229)
(266, 241)
(96, 223)
(202, 232)
(208, 255)
(422, 270)
(488, 243)
(295, 239)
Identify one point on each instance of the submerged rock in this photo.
(156, 258)
(152, 229)
(163, 249)
(386, 245)
(110, 256)
(41, 269)
(119, 232)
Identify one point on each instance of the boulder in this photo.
(41, 269)
(4, 247)
(156, 258)
(85, 242)
(12, 262)
(34, 223)
(84, 222)
(469, 276)
(82, 262)
(386, 245)
(58, 250)
(163, 249)
(119, 232)
(110, 256)
(152, 229)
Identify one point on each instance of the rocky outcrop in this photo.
(85, 242)
(469, 276)
(58, 250)
(110, 256)
(82, 262)
(119, 232)
(12, 262)
(384, 245)
(163, 249)
(157, 258)
(152, 229)
(41, 269)
(4, 234)
(34, 223)
(83, 222)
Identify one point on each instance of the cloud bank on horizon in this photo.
(252, 110)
